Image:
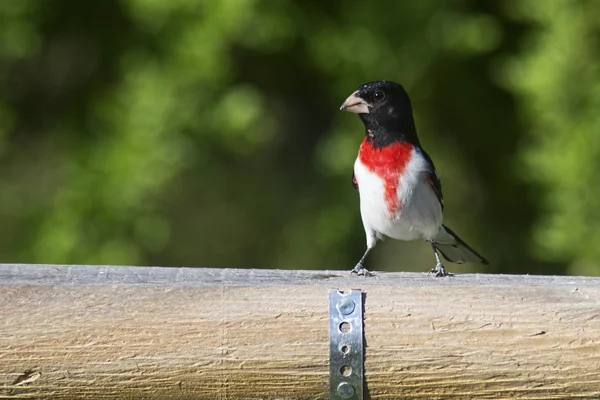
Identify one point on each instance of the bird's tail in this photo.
(454, 249)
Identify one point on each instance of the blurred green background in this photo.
(207, 132)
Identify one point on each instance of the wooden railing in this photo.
(95, 332)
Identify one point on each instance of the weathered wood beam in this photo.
(75, 332)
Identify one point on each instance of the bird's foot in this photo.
(438, 270)
(361, 270)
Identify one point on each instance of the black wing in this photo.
(434, 179)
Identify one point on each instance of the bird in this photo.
(399, 188)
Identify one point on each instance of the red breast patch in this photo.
(388, 163)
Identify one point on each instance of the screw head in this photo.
(345, 390)
(345, 306)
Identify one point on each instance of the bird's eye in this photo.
(379, 96)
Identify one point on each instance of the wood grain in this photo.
(96, 332)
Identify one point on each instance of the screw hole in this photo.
(345, 327)
(346, 370)
(345, 349)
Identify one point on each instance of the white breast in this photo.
(420, 213)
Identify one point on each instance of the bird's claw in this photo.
(359, 269)
(438, 270)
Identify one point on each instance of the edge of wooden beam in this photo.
(58, 275)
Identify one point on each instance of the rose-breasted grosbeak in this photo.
(400, 191)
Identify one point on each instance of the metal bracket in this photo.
(346, 350)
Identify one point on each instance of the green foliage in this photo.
(207, 133)
(557, 79)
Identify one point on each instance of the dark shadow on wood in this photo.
(366, 393)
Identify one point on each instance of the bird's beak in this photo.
(355, 104)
